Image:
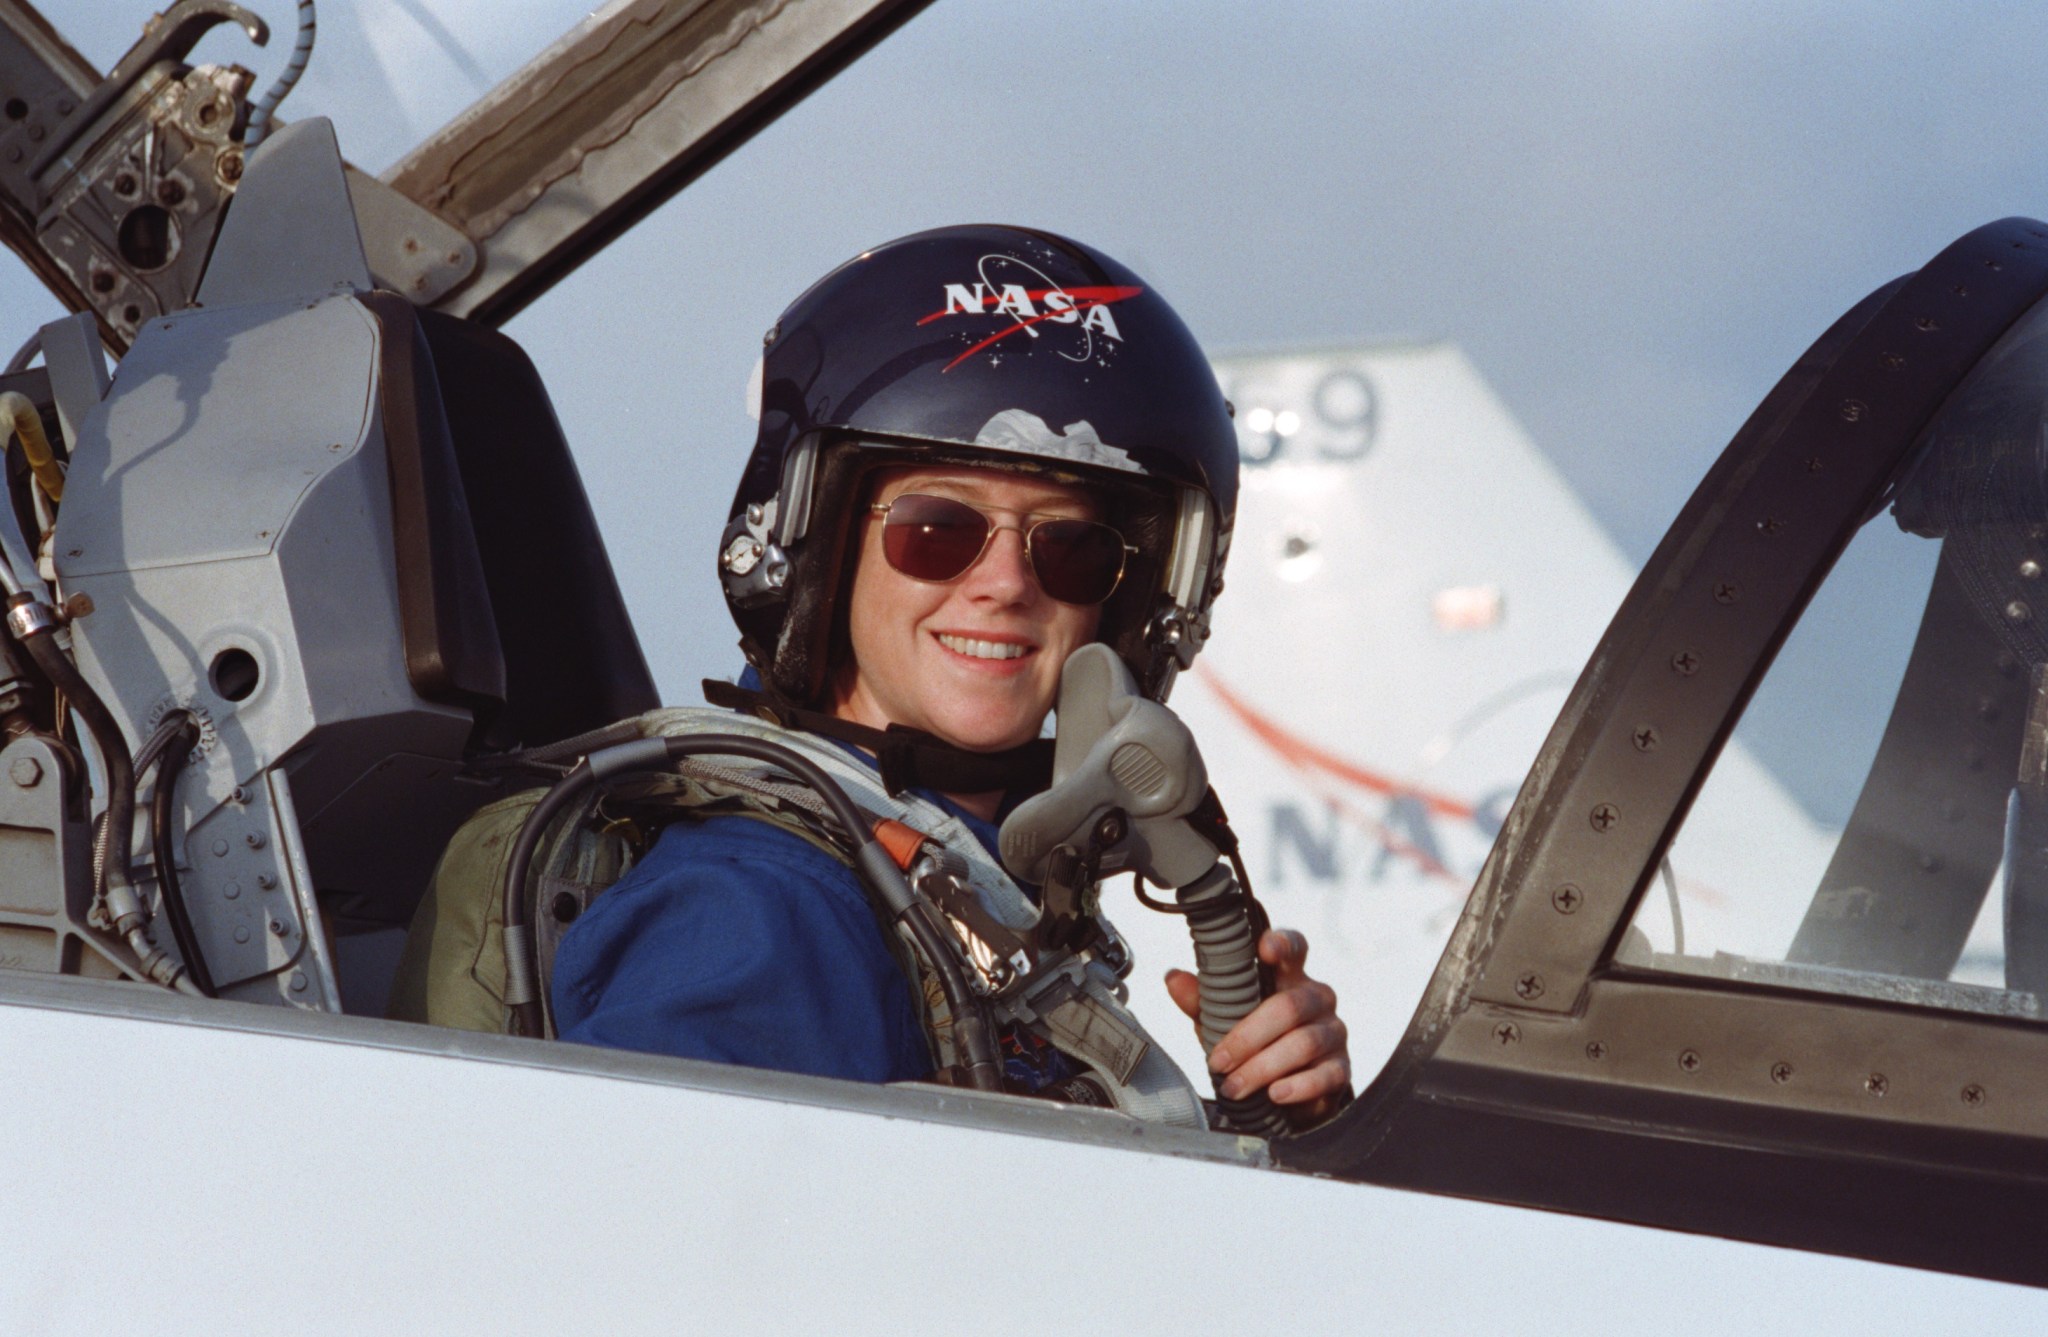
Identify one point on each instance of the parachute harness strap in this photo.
(876, 867)
(985, 926)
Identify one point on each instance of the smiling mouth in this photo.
(973, 649)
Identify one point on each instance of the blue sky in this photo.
(1632, 217)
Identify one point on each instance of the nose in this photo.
(1004, 572)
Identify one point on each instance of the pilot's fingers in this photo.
(1294, 1006)
(1327, 1078)
(1286, 951)
(1186, 992)
(1302, 1048)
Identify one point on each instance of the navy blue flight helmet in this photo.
(997, 347)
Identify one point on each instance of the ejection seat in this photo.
(494, 495)
(509, 603)
(344, 542)
(509, 607)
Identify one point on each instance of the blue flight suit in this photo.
(738, 942)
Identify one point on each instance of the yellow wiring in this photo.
(19, 415)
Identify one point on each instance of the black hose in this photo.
(106, 735)
(1227, 968)
(170, 764)
(972, 1032)
(526, 1010)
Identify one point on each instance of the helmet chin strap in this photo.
(908, 758)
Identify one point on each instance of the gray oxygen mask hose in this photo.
(1127, 778)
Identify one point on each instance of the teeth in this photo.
(981, 649)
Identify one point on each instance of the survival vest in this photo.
(1062, 987)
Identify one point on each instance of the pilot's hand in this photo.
(1292, 1044)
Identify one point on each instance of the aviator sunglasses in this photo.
(940, 539)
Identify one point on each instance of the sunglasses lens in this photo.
(1077, 561)
(932, 538)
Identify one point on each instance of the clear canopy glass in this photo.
(1913, 865)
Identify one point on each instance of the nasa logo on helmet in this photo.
(1081, 315)
(994, 347)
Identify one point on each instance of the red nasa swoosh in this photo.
(1084, 298)
(1304, 756)
(1300, 752)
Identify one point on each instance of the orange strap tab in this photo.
(900, 842)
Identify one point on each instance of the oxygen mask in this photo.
(1130, 794)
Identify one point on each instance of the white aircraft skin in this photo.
(196, 1178)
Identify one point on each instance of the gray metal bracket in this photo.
(78, 369)
(46, 849)
(292, 234)
(166, 40)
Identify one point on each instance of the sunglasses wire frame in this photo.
(991, 529)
